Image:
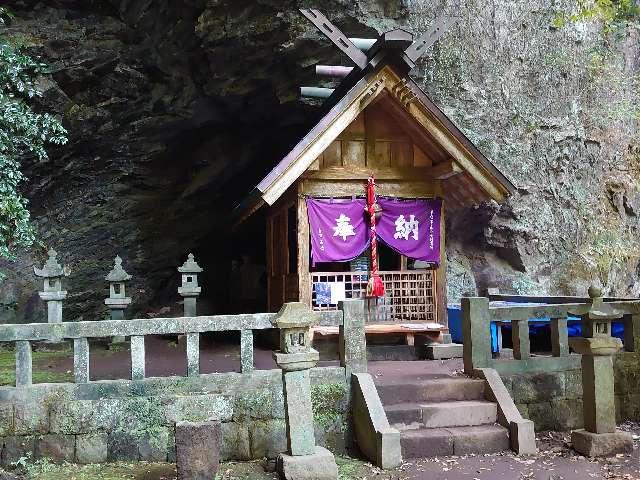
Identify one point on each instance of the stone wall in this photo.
(627, 371)
(130, 421)
(554, 400)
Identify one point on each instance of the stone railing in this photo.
(80, 332)
(477, 315)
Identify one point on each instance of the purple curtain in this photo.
(411, 227)
(338, 228)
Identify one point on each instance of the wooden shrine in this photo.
(376, 121)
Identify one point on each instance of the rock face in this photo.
(176, 109)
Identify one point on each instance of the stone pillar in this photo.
(476, 333)
(189, 290)
(352, 342)
(599, 436)
(304, 460)
(117, 301)
(52, 273)
(197, 450)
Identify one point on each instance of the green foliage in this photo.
(41, 371)
(23, 132)
(612, 13)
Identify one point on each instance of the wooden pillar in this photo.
(269, 255)
(304, 275)
(441, 276)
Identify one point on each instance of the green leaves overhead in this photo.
(613, 13)
(23, 132)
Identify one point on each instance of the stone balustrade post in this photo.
(246, 351)
(352, 341)
(597, 347)
(559, 337)
(52, 273)
(296, 358)
(520, 338)
(631, 333)
(476, 333)
(24, 364)
(138, 359)
(193, 354)
(81, 360)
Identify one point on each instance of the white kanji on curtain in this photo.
(343, 227)
(405, 227)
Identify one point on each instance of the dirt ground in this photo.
(555, 461)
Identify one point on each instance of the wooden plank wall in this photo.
(282, 284)
(373, 140)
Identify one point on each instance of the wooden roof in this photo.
(386, 79)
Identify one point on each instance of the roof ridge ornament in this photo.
(334, 34)
(428, 38)
(414, 51)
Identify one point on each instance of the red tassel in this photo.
(375, 287)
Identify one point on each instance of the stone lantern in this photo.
(296, 357)
(189, 290)
(597, 347)
(52, 273)
(118, 300)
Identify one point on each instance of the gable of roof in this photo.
(418, 108)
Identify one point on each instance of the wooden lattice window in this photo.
(410, 295)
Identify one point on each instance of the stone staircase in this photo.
(442, 415)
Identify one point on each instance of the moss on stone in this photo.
(329, 405)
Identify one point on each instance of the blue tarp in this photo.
(539, 328)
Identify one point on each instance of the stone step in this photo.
(443, 414)
(431, 390)
(435, 442)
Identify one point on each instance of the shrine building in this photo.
(377, 122)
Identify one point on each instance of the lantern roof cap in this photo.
(295, 315)
(117, 273)
(51, 268)
(190, 266)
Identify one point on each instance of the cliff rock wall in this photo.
(176, 109)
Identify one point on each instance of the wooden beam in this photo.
(321, 136)
(357, 172)
(334, 34)
(488, 183)
(391, 188)
(441, 276)
(445, 170)
(304, 276)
